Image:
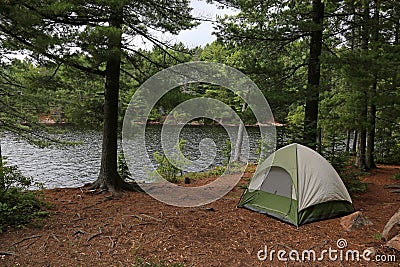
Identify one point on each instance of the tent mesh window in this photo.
(278, 182)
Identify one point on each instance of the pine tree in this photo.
(63, 31)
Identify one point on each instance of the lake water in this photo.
(76, 165)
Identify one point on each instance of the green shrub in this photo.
(264, 149)
(123, 169)
(340, 160)
(352, 182)
(18, 206)
(166, 168)
(226, 152)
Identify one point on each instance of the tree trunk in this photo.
(370, 149)
(361, 161)
(348, 141)
(239, 141)
(319, 142)
(314, 74)
(109, 178)
(354, 147)
(370, 157)
(2, 181)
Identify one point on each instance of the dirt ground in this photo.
(89, 229)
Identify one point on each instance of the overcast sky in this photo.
(202, 34)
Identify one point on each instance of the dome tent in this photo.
(297, 185)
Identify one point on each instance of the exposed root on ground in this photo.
(116, 187)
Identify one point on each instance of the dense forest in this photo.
(329, 69)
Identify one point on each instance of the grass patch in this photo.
(377, 236)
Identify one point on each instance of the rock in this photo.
(394, 243)
(392, 228)
(354, 221)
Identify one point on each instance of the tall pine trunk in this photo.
(361, 161)
(109, 177)
(239, 141)
(370, 146)
(314, 73)
(354, 146)
(2, 182)
(370, 157)
(348, 140)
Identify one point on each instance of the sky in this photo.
(202, 34)
(199, 36)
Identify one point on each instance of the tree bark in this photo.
(354, 147)
(370, 146)
(109, 177)
(348, 140)
(314, 74)
(361, 161)
(372, 106)
(2, 184)
(239, 141)
(319, 142)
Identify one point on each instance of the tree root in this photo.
(115, 189)
(26, 238)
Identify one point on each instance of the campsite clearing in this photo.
(87, 229)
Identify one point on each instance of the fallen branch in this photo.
(90, 206)
(26, 238)
(94, 235)
(8, 253)
(100, 191)
(142, 223)
(151, 217)
(55, 237)
(392, 186)
(79, 231)
(395, 191)
(44, 243)
(136, 216)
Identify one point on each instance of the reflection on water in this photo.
(76, 165)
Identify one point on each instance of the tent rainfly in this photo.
(297, 185)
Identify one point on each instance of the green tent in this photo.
(297, 185)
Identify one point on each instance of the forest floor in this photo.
(89, 229)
